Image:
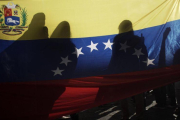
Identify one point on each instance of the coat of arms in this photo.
(13, 19)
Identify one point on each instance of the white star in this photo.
(124, 46)
(149, 62)
(78, 52)
(138, 52)
(65, 60)
(93, 46)
(108, 44)
(57, 71)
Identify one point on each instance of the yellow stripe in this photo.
(99, 17)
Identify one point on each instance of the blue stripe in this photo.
(35, 60)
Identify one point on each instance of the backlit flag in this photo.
(60, 57)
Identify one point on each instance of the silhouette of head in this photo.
(125, 26)
(38, 21)
(36, 29)
(62, 30)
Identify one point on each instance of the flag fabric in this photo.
(60, 57)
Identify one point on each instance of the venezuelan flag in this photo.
(55, 55)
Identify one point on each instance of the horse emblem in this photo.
(11, 21)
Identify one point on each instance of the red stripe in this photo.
(51, 99)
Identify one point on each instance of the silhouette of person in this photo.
(124, 46)
(125, 59)
(61, 39)
(62, 35)
(19, 64)
(177, 84)
(160, 93)
(32, 58)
